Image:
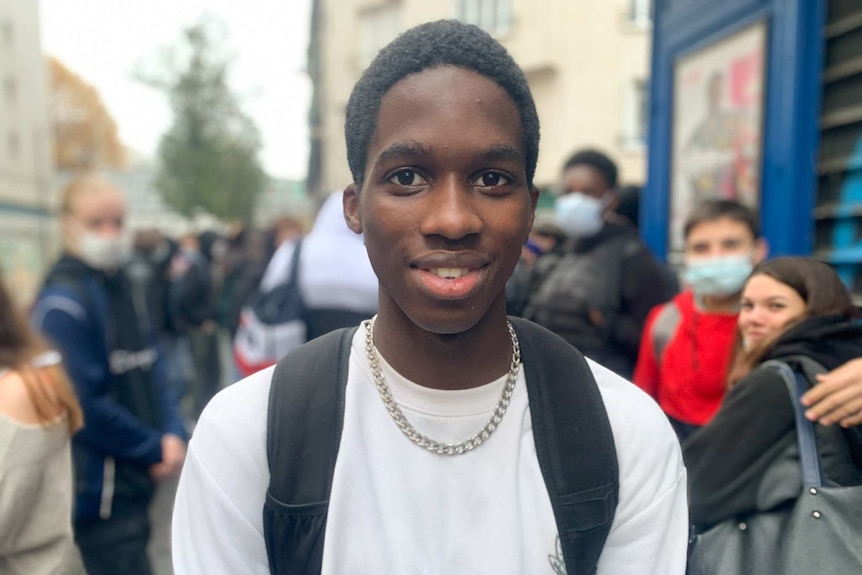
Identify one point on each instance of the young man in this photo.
(596, 293)
(687, 342)
(442, 139)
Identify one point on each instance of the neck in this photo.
(721, 304)
(463, 360)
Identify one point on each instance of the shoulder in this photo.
(648, 451)
(762, 389)
(230, 436)
(72, 297)
(15, 401)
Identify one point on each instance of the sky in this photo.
(103, 41)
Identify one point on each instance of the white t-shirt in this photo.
(396, 508)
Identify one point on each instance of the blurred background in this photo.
(211, 114)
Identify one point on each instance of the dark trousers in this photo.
(115, 546)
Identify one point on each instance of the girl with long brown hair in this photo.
(38, 415)
(790, 307)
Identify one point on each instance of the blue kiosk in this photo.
(760, 101)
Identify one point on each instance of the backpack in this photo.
(271, 324)
(574, 445)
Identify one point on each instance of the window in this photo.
(377, 28)
(6, 31)
(639, 12)
(493, 16)
(636, 114)
(10, 90)
(13, 145)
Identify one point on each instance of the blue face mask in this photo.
(719, 276)
(579, 215)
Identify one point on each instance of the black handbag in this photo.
(818, 533)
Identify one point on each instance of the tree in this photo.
(209, 155)
(85, 134)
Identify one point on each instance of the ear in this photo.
(613, 202)
(352, 214)
(68, 233)
(761, 250)
(534, 200)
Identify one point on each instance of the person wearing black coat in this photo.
(729, 459)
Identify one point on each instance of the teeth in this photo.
(450, 272)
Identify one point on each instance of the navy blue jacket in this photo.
(91, 318)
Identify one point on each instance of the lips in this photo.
(754, 334)
(450, 273)
(450, 276)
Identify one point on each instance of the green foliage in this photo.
(209, 155)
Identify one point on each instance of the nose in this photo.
(451, 211)
(108, 226)
(755, 315)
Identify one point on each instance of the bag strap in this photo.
(664, 327)
(809, 458)
(305, 417)
(574, 443)
(294, 263)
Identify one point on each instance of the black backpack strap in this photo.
(304, 421)
(574, 444)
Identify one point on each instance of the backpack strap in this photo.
(574, 444)
(304, 421)
(664, 328)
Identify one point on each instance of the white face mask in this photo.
(103, 253)
(580, 215)
(717, 276)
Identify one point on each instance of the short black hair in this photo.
(595, 159)
(712, 210)
(629, 203)
(440, 43)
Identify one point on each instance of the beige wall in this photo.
(26, 222)
(581, 59)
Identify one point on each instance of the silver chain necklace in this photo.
(426, 442)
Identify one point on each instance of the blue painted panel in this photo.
(792, 95)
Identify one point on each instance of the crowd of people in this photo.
(480, 418)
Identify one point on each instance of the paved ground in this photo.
(160, 536)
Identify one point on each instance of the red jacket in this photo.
(689, 378)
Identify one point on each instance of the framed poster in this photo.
(718, 94)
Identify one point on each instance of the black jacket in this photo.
(729, 459)
(612, 273)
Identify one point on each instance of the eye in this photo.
(746, 305)
(776, 306)
(407, 177)
(491, 180)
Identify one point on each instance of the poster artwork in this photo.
(717, 125)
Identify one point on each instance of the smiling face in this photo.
(445, 206)
(767, 307)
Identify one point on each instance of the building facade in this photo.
(586, 62)
(27, 227)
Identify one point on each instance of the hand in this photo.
(837, 397)
(173, 456)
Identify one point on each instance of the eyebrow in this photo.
(402, 151)
(500, 152)
(408, 150)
